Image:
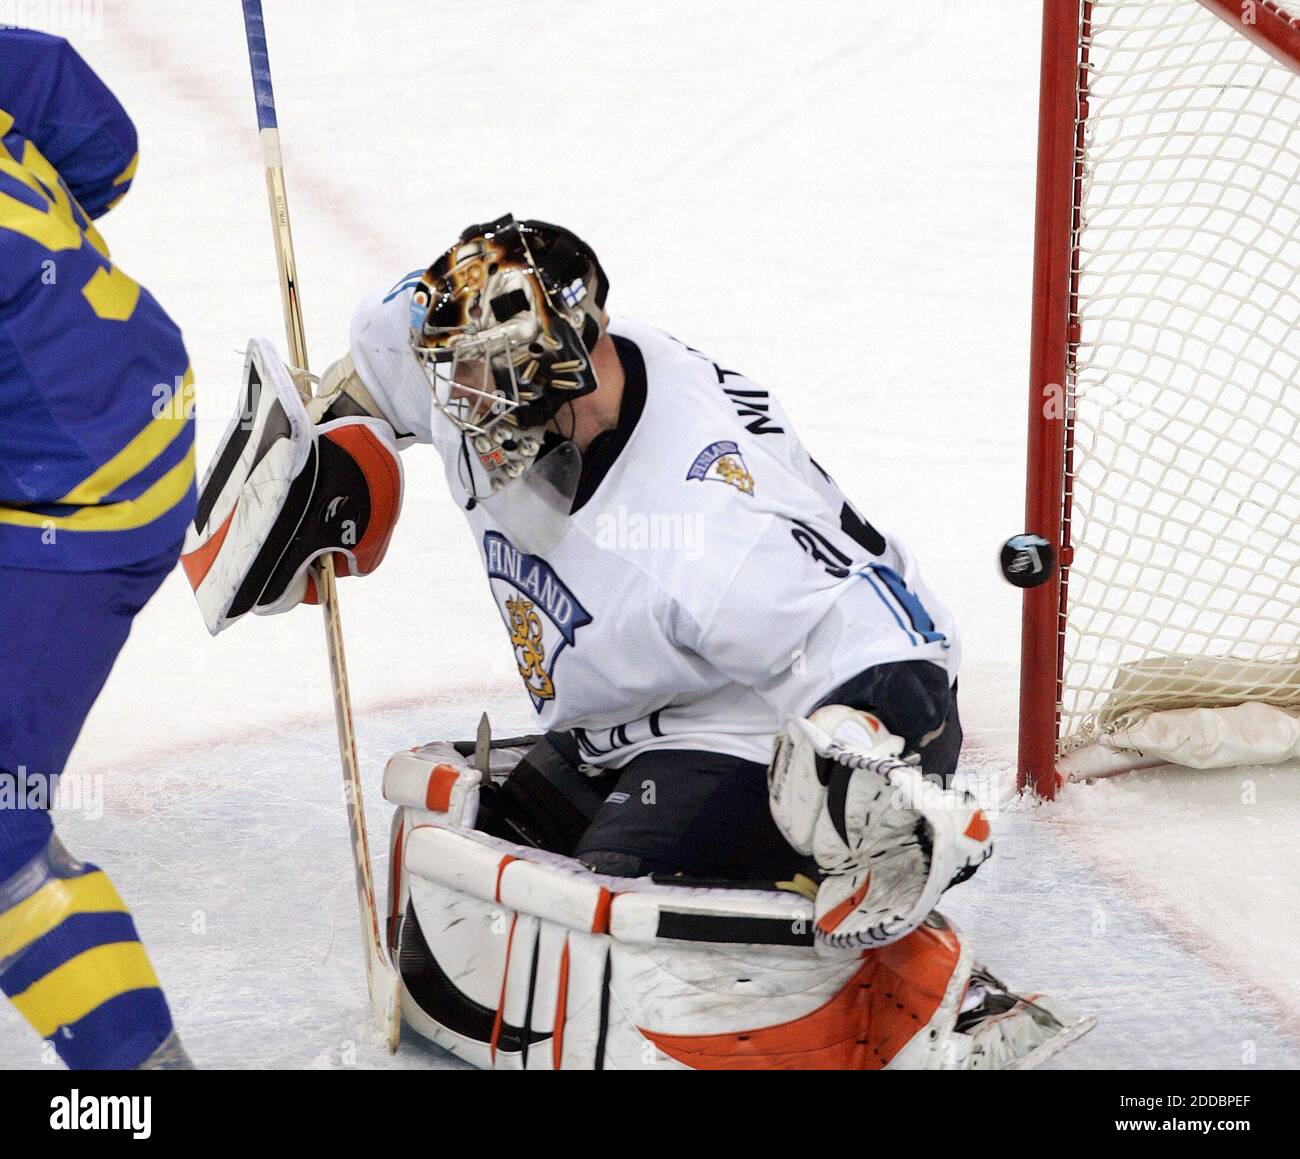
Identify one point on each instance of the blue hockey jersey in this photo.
(96, 427)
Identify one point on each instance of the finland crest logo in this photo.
(723, 463)
(540, 613)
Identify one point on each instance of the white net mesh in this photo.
(1185, 478)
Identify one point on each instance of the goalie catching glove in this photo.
(889, 841)
(281, 492)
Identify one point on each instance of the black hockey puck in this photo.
(1027, 561)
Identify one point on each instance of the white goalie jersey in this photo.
(711, 583)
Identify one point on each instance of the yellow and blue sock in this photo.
(71, 960)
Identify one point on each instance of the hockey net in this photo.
(1180, 504)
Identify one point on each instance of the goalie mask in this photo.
(503, 324)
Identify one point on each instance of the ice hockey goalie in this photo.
(727, 842)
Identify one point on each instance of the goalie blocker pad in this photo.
(280, 493)
(517, 959)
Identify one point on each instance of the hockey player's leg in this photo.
(701, 814)
(549, 798)
(70, 958)
(889, 841)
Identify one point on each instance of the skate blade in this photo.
(1054, 1046)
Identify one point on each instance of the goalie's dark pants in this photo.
(60, 633)
(670, 811)
(675, 811)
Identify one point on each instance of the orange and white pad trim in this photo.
(517, 959)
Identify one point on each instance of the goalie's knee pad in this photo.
(282, 492)
(889, 842)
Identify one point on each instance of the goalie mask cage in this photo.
(1164, 426)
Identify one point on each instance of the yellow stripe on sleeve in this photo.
(129, 172)
(124, 178)
(59, 898)
(139, 452)
(72, 991)
(130, 513)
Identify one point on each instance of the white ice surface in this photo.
(835, 198)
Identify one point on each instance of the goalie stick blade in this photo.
(385, 997)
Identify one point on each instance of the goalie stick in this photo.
(382, 980)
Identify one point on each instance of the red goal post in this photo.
(1143, 106)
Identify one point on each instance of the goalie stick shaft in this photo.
(382, 981)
